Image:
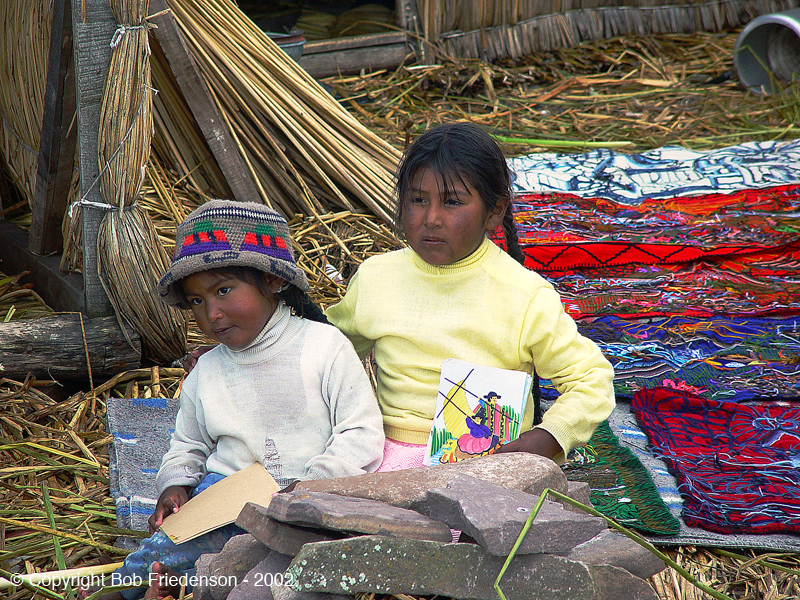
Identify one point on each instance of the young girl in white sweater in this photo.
(281, 390)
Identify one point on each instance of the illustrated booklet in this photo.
(478, 409)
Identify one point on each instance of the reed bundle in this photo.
(304, 151)
(130, 258)
(24, 48)
(514, 28)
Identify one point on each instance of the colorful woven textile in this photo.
(737, 465)
(620, 486)
(563, 231)
(665, 232)
(719, 358)
(663, 173)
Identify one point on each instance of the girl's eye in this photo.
(223, 291)
(416, 200)
(453, 201)
(195, 301)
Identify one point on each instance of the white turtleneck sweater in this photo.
(297, 400)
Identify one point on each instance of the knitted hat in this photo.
(226, 233)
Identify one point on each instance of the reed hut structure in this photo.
(120, 117)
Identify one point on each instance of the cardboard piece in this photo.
(220, 504)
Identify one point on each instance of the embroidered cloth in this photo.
(737, 465)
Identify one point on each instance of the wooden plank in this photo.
(56, 347)
(327, 64)
(60, 291)
(355, 41)
(93, 26)
(57, 138)
(201, 103)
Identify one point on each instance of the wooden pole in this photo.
(57, 139)
(93, 27)
(64, 345)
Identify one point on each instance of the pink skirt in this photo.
(401, 455)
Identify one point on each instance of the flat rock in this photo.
(613, 583)
(580, 492)
(257, 583)
(494, 517)
(343, 513)
(408, 488)
(278, 536)
(218, 574)
(617, 550)
(400, 566)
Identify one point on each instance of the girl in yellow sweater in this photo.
(455, 294)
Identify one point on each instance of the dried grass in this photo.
(643, 92)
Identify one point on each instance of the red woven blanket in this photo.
(737, 465)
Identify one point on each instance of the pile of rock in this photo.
(390, 533)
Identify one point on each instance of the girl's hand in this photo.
(535, 441)
(170, 501)
(190, 360)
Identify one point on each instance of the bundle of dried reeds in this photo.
(130, 257)
(24, 46)
(513, 28)
(304, 151)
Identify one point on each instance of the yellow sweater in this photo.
(487, 309)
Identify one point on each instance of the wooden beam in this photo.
(201, 103)
(60, 291)
(93, 26)
(63, 346)
(349, 55)
(57, 138)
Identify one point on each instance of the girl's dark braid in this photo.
(302, 304)
(512, 241)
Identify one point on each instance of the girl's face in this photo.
(228, 310)
(445, 221)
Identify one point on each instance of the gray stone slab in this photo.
(220, 573)
(580, 492)
(617, 550)
(494, 517)
(613, 583)
(407, 488)
(257, 583)
(400, 566)
(278, 536)
(202, 568)
(344, 513)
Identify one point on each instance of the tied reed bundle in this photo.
(130, 256)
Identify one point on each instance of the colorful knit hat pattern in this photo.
(226, 233)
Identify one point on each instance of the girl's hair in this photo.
(293, 296)
(468, 152)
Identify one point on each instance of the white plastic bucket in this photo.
(767, 51)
